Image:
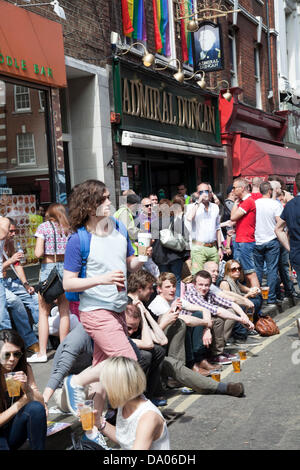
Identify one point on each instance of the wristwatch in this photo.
(26, 284)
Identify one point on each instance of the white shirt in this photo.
(160, 305)
(266, 212)
(207, 222)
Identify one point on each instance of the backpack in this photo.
(85, 251)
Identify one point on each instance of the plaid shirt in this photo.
(211, 301)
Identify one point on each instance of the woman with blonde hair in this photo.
(139, 424)
(52, 236)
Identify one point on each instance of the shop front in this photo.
(32, 70)
(167, 134)
(254, 142)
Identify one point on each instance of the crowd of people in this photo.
(141, 326)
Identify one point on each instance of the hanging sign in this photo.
(207, 47)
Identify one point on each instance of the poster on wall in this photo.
(208, 48)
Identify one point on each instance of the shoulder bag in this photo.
(52, 287)
(171, 240)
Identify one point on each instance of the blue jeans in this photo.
(194, 348)
(176, 268)
(5, 322)
(243, 253)
(297, 269)
(29, 423)
(20, 318)
(284, 273)
(268, 252)
(30, 301)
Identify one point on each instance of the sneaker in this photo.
(229, 356)
(74, 394)
(253, 333)
(99, 439)
(159, 401)
(235, 389)
(37, 358)
(187, 391)
(221, 359)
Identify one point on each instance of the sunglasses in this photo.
(16, 354)
(235, 269)
(202, 192)
(147, 205)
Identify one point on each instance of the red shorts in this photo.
(109, 333)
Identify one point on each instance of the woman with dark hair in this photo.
(22, 417)
(52, 236)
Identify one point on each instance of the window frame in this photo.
(257, 77)
(233, 50)
(18, 150)
(18, 109)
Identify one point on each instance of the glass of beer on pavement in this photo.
(265, 292)
(86, 412)
(236, 364)
(243, 354)
(216, 375)
(13, 386)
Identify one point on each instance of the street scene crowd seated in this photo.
(154, 294)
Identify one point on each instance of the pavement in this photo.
(182, 410)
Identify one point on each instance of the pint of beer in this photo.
(265, 292)
(236, 364)
(86, 410)
(216, 375)
(13, 386)
(243, 354)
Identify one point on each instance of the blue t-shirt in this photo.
(291, 215)
(107, 253)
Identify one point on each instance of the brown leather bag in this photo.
(266, 326)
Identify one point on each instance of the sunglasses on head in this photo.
(16, 354)
(236, 269)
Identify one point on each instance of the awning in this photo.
(255, 158)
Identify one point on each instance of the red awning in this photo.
(255, 158)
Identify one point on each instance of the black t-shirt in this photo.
(291, 215)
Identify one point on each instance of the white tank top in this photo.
(126, 428)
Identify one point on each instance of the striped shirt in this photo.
(211, 301)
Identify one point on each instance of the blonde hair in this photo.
(166, 277)
(123, 380)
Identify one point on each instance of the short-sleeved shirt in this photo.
(45, 231)
(256, 196)
(107, 253)
(266, 212)
(245, 226)
(291, 215)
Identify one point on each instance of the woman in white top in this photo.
(139, 425)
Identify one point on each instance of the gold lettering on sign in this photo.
(148, 102)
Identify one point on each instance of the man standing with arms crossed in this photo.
(244, 214)
(205, 219)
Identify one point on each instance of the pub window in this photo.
(257, 77)
(22, 98)
(42, 100)
(25, 149)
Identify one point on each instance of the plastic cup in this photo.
(243, 354)
(265, 292)
(86, 411)
(250, 316)
(216, 375)
(13, 386)
(144, 240)
(236, 364)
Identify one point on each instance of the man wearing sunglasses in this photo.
(205, 218)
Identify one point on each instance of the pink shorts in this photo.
(109, 333)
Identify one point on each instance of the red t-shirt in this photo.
(245, 226)
(256, 196)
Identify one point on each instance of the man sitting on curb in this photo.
(199, 293)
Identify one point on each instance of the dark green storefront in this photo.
(167, 134)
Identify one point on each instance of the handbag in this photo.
(266, 326)
(169, 240)
(52, 287)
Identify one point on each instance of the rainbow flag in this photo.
(134, 21)
(186, 8)
(161, 26)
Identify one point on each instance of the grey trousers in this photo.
(221, 331)
(174, 363)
